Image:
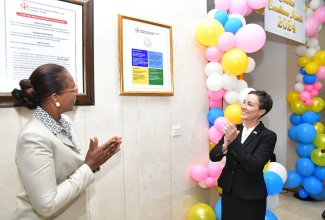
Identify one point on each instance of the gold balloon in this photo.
(318, 157)
(233, 113)
(319, 58)
(266, 166)
(320, 128)
(208, 32)
(298, 107)
(292, 96)
(201, 211)
(303, 61)
(318, 104)
(234, 62)
(319, 141)
(211, 145)
(311, 68)
(219, 190)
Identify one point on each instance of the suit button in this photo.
(232, 172)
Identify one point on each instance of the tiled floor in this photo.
(291, 208)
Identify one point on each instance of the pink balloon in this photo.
(308, 88)
(216, 95)
(248, 11)
(318, 85)
(319, 14)
(315, 36)
(222, 4)
(219, 122)
(250, 38)
(215, 103)
(257, 4)
(210, 182)
(214, 135)
(311, 26)
(199, 172)
(314, 93)
(323, 182)
(304, 95)
(214, 169)
(321, 72)
(238, 7)
(213, 54)
(309, 102)
(226, 41)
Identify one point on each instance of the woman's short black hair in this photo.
(264, 99)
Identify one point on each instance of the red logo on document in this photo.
(24, 6)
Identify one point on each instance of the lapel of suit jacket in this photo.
(65, 140)
(257, 130)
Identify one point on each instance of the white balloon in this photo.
(310, 52)
(312, 42)
(211, 13)
(229, 82)
(317, 48)
(202, 184)
(299, 87)
(251, 65)
(299, 78)
(243, 94)
(241, 84)
(214, 82)
(231, 97)
(301, 50)
(278, 169)
(213, 68)
(240, 17)
(272, 202)
(309, 12)
(314, 4)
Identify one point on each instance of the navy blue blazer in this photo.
(243, 171)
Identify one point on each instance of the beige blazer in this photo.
(53, 174)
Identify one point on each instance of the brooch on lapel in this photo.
(254, 132)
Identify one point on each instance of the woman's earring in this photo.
(57, 104)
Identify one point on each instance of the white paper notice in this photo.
(38, 32)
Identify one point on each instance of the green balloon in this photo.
(319, 141)
(318, 156)
(201, 211)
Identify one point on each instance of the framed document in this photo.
(145, 57)
(46, 31)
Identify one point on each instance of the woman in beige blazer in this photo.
(52, 169)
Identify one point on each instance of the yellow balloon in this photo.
(201, 211)
(318, 157)
(319, 141)
(219, 190)
(292, 96)
(266, 166)
(303, 61)
(319, 58)
(208, 32)
(233, 113)
(234, 62)
(318, 104)
(260, 11)
(320, 128)
(311, 68)
(211, 145)
(298, 107)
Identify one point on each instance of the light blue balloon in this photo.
(320, 196)
(232, 25)
(273, 182)
(292, 133)
(270, 215)
(304, 149)
(320, 173)
(294, 179)
(217, 209)
(221, 16)
(295, 119)
(309, 78)
(214, 113)
(312, 185)
(305, 133)
(305, 166)
(309, 117)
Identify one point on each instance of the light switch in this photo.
(176, 130)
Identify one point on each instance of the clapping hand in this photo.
(96, 156)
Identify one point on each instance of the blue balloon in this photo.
(221, 16)
(294, 179)
(217, 209)
(303, 193)
(309, 117)
(270, 215)
(295, 119)
(318, 116)
(304, 149)
(305, 133)
(303, 71)
(320, 173)
(292, 133)
(233, 25)
(309, 79)
(319, 196)
(312, 185)
(305, 167)
(273, 182)
(213, 114)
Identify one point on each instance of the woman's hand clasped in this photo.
(97, 156)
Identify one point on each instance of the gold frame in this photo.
(145, 90)
(86, 98)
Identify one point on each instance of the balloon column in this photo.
(228, 41)
(307, 130)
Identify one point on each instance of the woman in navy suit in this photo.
(247, 148)
(54, 173)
